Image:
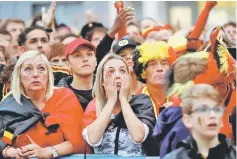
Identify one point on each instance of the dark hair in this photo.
(12, 21)
(5, 32)
(90, 34)
(68, 35)
(138, 67)
(7, 70)
(88, 27)
(5, 53)
(22, 37)
(62, 25)
(233, 24)
(56, 49)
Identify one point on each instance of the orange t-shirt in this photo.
(90, 113)
(63, 109)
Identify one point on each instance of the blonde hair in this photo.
(196, 92)
(98, 91)
(16, 86)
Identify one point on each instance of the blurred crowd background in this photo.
(179, 14)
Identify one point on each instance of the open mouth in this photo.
(212, 125)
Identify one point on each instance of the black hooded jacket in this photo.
(187, 149)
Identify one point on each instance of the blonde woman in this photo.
(38, 120)
(123, 124)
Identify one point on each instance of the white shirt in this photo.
(126, 146)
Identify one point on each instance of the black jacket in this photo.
(17, 117)
(103, 48)
(66, 81)
(187, 149)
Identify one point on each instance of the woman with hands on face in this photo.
(123, 123)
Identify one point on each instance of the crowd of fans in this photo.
(134, 89)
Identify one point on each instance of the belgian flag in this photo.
(8, 135)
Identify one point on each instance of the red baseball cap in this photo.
(72, 46)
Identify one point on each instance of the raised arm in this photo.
(123, 16)
(48, 19)
(202, 20)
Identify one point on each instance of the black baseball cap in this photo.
(126, 41)
(88, 27)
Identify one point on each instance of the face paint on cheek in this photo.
(107, 74)
(200, 121)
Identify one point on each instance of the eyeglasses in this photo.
(219, 110)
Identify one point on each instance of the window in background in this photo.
(180, 17)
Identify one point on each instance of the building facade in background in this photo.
(177, 13)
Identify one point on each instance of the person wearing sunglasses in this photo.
(202, 113)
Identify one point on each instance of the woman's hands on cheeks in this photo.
(124, 90)
(110, 88)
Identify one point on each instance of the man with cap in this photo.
(124, 48)
(80, 55)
